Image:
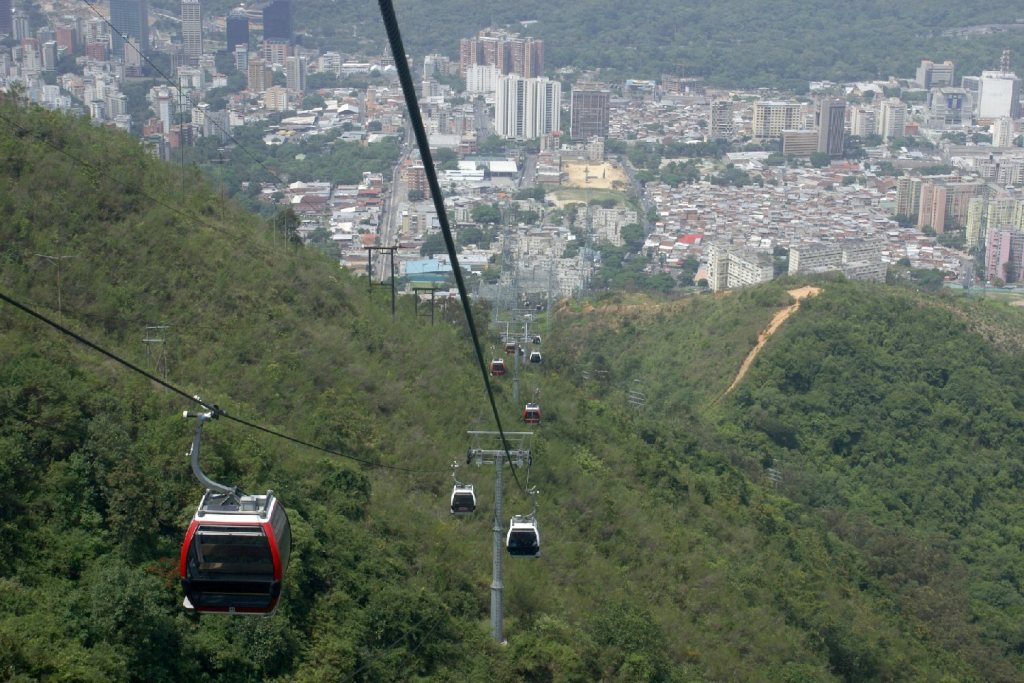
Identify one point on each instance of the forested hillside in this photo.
(892, 418)
(733, 43)
(668, 555)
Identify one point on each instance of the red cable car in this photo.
(236, 549)
(531, 414)
(510, 348)
(497, 367)
(235, 554)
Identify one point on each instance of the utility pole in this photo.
(416, 301)
(57, 260)
(517, 454)
(153, 335)
(181, 137)
(369, 271)
(515, 377)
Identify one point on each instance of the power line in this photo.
(191, 397)
(387, 12)
(178, 86)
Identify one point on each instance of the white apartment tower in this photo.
(1002, 132)
(863, 122)
(892, 118)
(295, 74)
(192, 30)
(998, 95)
(482, 78)
(527, 108)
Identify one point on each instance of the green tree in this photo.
(433, 244)
(820, 159)
(486, 213)
(633, 235)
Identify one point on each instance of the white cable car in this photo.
(463, 499)
(535, 356)
(523, 539)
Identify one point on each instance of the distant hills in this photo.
(886, 548)
(737, 43)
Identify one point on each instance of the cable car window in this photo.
(230, 550)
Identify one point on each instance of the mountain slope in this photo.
(893, 421)
(667, 556)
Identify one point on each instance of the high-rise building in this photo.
(972, 85)
(275, 51)
(588, 111)
(771, 118)
(96, 51)
(908, 196)
(48, 52)
(19, 25)
(730, 267)
(6, 25)
(948, 108)
(237, 28)
(830, 117)
(130, 19)
(944, 204)
(277, 21)
(721, 127)
(511, 53)
(1004, 255)
(931, 75)
(241, 54)
(526, 108)
(295, 74)
(435, 65)
(132, 58)
(857, 259)
(163, 100)
(892, 119)
(997, 213)
(482, 78)
(66, 36)
(1002, 132)
(96, 31)
(275, 98)
(259, 76)
(863, 122)
(192, 30)
(527, 56)
(998, 95)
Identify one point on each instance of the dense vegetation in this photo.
(894, 421)
(733, 42)
(325, 158)
(668, 556)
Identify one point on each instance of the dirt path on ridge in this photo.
(762, 339)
